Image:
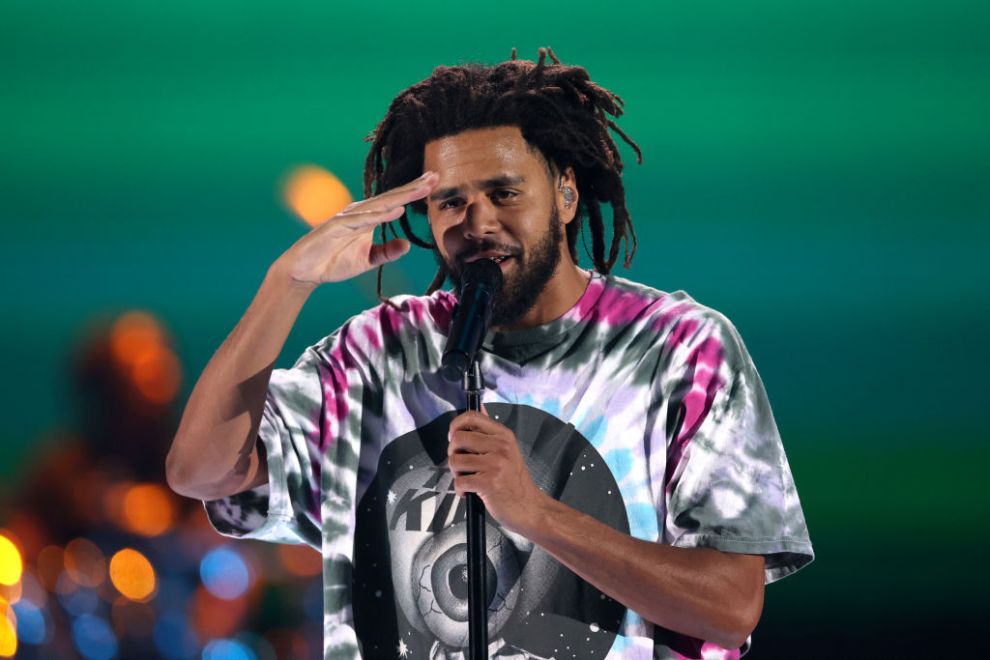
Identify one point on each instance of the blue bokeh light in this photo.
(76, 600)
(33, 625)
(224, 573)
(228, 649)
(175, 638)
(94, 638)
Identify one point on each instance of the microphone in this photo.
(480, 283)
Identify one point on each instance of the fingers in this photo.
(461, 464)
(475, 421)
(359, 220)
(399, 196)
(471, 443)
(383, 208)
(469, 483)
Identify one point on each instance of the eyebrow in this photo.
(486, 184)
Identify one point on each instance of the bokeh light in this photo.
(31, 590)
(94, 638)
(314, 194)
(147, 509)
(8, 630)
(228, 649)
(174, 636)
(300, 560)
(33, 624)
(76, 599)
(139, 344)
(84, 562)
(132, 574)
(216, 617)
(11, 564)
(224, 573)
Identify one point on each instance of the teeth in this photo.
(499, 260)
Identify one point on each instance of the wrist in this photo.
(279, 276)
(543, 510)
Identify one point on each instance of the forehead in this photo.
(481, 153)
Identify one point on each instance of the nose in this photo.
(480, 218)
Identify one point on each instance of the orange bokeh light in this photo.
(139, 344)
(157, 374)
(11, 564)
(147, 510)
(8, 630)
(84, 563)
(132, 334)
(132, 574)
(314, 194)
(215, 617)
(300, 560)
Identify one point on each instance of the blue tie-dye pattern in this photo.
(595, 431)
(620, 644)
(642, 520)
(632, 619)
(620, 462)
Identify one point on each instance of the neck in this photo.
(562, 292)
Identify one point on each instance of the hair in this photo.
(560, 112)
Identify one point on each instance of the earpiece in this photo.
(568, 193)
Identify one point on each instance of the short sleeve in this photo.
(728, 484)
(293, 435)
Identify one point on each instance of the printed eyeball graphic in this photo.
(440, 583)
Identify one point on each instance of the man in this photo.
(637, 490)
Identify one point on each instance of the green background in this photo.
(815, 170)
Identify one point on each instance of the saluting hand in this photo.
(344, 246)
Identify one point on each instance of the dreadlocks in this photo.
(558, 109)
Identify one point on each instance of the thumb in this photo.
(390, 251)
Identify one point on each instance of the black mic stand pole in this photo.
(477, 560)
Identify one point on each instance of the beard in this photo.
(523, 284)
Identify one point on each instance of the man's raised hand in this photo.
(344, 246)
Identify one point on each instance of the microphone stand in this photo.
(477, 559)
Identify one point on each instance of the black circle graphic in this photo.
(409, 550)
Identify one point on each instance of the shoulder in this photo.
(624, 301)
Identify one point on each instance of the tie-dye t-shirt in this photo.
(639, 407)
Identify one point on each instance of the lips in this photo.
(491, 254)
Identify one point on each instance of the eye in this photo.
(503, 195)
(449, 203)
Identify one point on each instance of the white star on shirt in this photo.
(403, 649)
(391, 496)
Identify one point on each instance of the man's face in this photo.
(494, 197)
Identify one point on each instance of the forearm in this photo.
(699, 592)
(213, 453)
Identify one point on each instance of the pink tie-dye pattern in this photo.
(618, 307)
(672, 315)
(709, 651)
(705, 360)
(588, 301)
(372, 337)
(442, 310)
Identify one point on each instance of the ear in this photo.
(567, 195)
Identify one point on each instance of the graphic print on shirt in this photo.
(410, 549)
